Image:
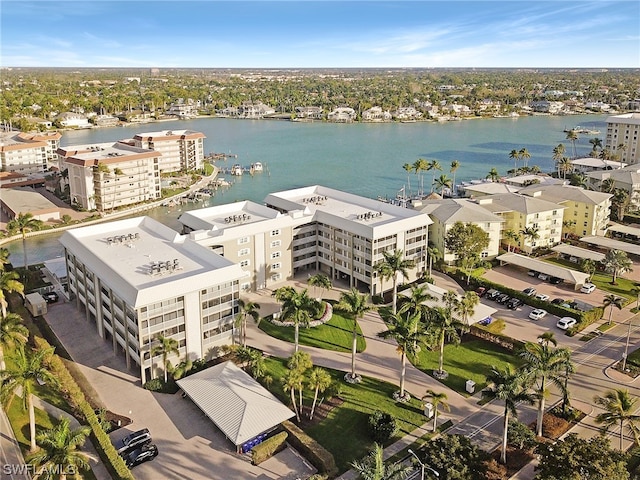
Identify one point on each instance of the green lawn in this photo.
(602, 280)
(471, 360)
(344, 431)
(336, 334)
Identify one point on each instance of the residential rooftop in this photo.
(508, 202)
(107, 153)
(458, 210)
(565, 193)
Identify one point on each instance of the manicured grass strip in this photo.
(344, 432)
(336, 334)
(602, 280)
(471, 360)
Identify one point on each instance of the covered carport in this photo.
(624, 231)
(568, 275)
(573, 253)
(237, 404)
(612, 244)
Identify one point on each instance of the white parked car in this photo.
(542, 296)
(565, 323)
(587, 288)
(537, 314)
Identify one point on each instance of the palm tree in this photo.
(565, 166)
(319, 381)
(579, 180)
(433, 165)
(164, 346)
(297, 307)
(546, 364)
(419, 166)
(611, 301)
(572, 136)
(4, 258)
(525, 155)
(511, 237)
(595, 143)
(321, 281)
(437, 400)
(373, 467)
(620, 201)
(415, 302)
(455, 165)
(589, 267)
(392, 264)
(466, 307)
(616, 262)
(531, 234)
(12, 333)
(9, 283)
(441, 182)
(292, 381)
(354, 304)
(434, 254)
(23, 375)
(515, 155)
(511, 387)
(246, 309)
(558, 153)
(493, 175)
(408, 168)
(59, 450)
(608, 185)
(443, 326)
(408, 332)
(619, 408)
(24, 223)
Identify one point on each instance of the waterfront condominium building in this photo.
(312, 228)
(180, 149)
(105, 176)
(24, 153)
(137, 279)
(623, 137)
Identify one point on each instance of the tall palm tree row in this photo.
(393, 264)
(24, 223)
(355, 305)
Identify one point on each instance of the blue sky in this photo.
(306, 34)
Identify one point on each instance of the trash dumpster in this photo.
(470, 386)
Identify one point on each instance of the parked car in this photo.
(493, 294)
(532, 273)
(50, 297)
(587, 288)
(132, 441)
(140, 455)
(542, 296)
(565, 323)
(555, 280)
(480, 291)
(485, 321)
(514, 303)
(557, 301)
(544, 277)
(529, 291)
(503, 298)
(537, 314)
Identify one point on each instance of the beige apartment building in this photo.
(106, 176)
(180, 149)
(623, 134)
(311, 229)
(24, 153)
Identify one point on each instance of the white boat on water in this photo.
(256, 167)
(236, 169)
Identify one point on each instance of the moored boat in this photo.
(236, 169)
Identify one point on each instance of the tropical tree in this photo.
(572, 136)
(512, 237)
(355, 305)
(24, 373)
(12, 333)
(466, 241)
(608, 185)
(611, 301)
(393, 264)
(466, 306)
(373, 467)
(620, 202)
(59, 453)
(455, 165)
(321, 281)
(415, 302)
(297, 307)
(511, 387)
(524, 154)
(530, 233)
(433, 165)
(579, 179)
(434, 255)
(565, 166)
(420, 166)
(558, 153)
(408, 168)
(4, 258)
(616, 262)
(300, 362)
(443, 326)
(246, 309)
(319, 381)
(595, 143)
(292, 381)
(443, 182)
(589, 267)
(164, 346)
(408, 332)
(493, 175)
(9, 283)
(437, 400)
(24, 223)
(620, 409)
(515, 156)
(547, 365)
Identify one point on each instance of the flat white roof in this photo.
(235, 402)
(626, 229)
(578, 252)
(572, 276)
(26, 200)
(124, 253)
(612, 244)
(227, 216)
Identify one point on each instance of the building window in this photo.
(244, 263)
(484, 254)
(275, 233)
(243, 252)
(585, 224)
(276, 276)
(275, 255)
(276, 266)
(245, 286)
(243, 240)
(275, 243)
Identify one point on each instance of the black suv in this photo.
(140, 455)
(132, 441)
(514, 303)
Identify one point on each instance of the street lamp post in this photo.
(423, 466)
(626, 348)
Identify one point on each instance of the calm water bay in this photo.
(364, 159)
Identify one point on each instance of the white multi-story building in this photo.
(623, 137)
(180, 149)
(105, 176)
(137, 279)
(312, 228)
(26, 153)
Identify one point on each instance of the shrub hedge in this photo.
(268, 448)
(85, 412)
(311, 450)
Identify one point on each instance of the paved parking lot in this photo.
(190, 445)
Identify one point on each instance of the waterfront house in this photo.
(310, 112)
(342, 115)
(254, 110)
(73, 120)
(406, 113)
(376, 114)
